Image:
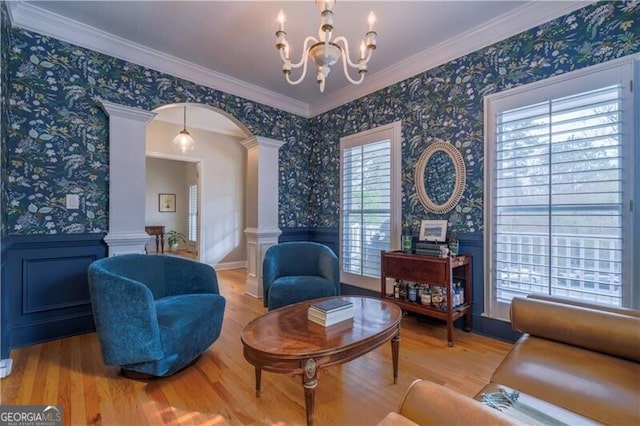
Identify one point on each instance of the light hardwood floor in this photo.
(219, 388)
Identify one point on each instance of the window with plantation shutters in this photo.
(193, 214)
(369, 204)
(560, 209)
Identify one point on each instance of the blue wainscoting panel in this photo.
(43, 280)
(293, 234)
(45, 294)
(326, 236)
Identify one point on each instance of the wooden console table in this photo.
(158, 231)
(432, 270)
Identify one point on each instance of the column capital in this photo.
(254, 141)
(123, 111)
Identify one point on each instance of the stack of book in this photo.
(330, 311)
(432, 249)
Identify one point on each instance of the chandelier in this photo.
(323, 50)
(183, 142)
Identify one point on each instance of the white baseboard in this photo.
(230, 265)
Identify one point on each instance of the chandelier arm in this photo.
(345, 51)
(305, 51)
(346, 71)
(304, 64)
(282, 50)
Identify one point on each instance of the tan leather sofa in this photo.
(575, 363)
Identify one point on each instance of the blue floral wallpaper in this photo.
(4, 117)
(447, 103)
(58, 138)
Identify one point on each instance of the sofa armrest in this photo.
(607, 332)
(574, 302)
(428, 403)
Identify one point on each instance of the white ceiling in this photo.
(229, 45)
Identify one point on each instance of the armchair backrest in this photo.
(146, 269)
(163, 275)
(300, 258)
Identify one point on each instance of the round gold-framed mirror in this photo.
(440, 166)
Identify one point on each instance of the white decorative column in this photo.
(127, 145)
(262, 206)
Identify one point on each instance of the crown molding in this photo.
(32, 18)
(504, 26)
(35, 19)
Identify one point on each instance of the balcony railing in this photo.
(576, 266)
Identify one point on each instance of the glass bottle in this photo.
(407, 240)
(425, 299)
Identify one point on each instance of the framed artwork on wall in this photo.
(433, 230)
(167, 203)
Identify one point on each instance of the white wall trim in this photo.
(498, 29)
(223, 266)
(33, 18)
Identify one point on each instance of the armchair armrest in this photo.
(328, 267)
(428, 403)
(121, 323)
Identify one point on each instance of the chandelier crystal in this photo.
(183, 143)
(324, 51)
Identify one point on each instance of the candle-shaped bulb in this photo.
(371, 20)
(281, 18)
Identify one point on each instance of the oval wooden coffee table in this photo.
(285, 341)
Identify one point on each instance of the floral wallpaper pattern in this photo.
(58, 142)
(447, 103)
(4, 117)
(58, 136)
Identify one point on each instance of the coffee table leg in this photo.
(309, 382)
(258, 381)
(395, 349)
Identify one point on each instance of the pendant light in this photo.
(183, 143)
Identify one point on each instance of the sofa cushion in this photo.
(595, 385)
(528, 409)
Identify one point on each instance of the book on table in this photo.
(330, 311)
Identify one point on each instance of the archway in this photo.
(127, 147)
(220, 180)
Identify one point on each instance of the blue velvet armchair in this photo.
(297, 271)
(154, 314)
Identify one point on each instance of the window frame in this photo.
(622, 71)
(192, 216)
(392, 132)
